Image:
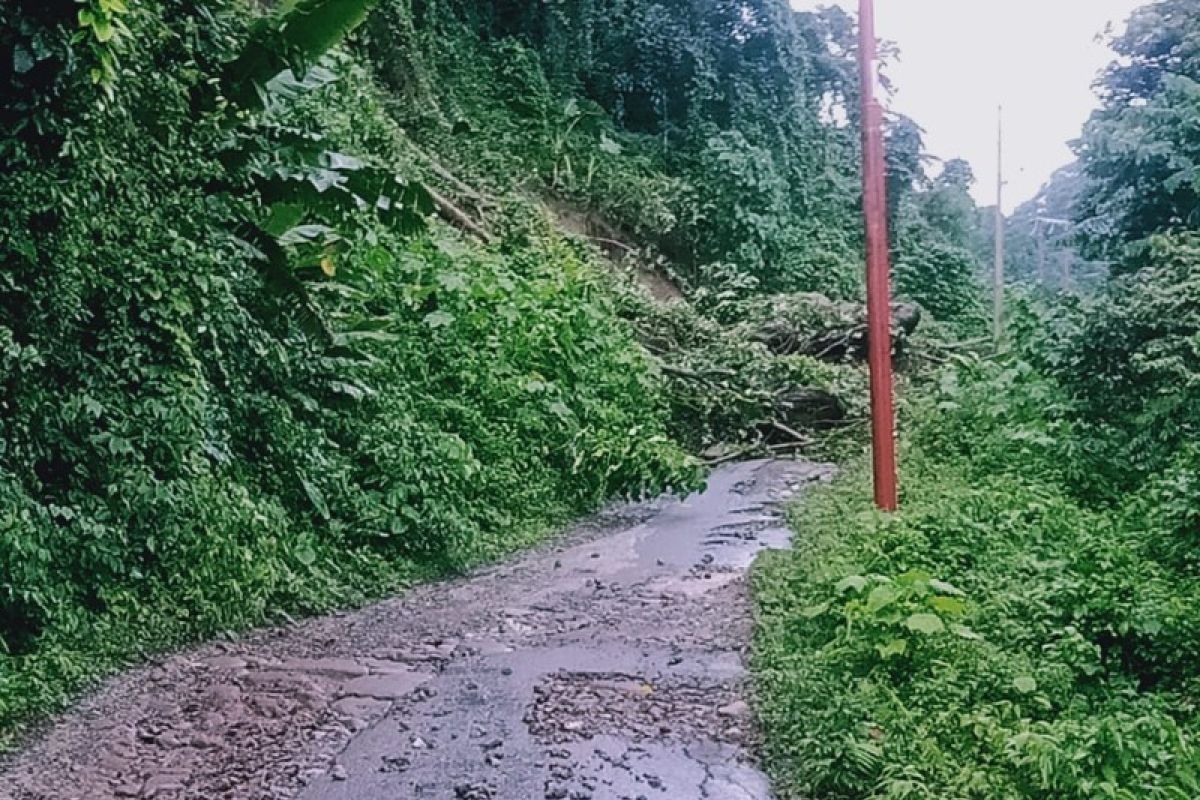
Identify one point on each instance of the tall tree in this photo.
(1141, 149)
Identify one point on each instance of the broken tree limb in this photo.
(438, 169)
(458, 218)
(798, 437)
(611, 245)
(733, 455)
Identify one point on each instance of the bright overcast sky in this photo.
(961, 58)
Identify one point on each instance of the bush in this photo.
(1133, 369)
(995, 638)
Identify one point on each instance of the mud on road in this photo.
(607, 665)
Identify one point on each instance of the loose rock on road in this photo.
(605, 666)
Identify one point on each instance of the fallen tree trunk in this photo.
(458, 218)
(838, 341)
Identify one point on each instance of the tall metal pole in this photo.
(879, 304)
(998, 272)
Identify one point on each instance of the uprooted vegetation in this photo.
(745, 291)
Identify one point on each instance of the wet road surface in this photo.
(605, 666)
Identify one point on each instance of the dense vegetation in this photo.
(304, 300)
(1044, 239)
(230, 392)
(1026, 626)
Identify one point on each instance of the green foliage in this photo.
(727, 162)
(1141, 149)
(1052, 489)
(1056, 488)
(1119, 369)
(204, 425)
(935, 232)
(994, 639)
(940, 277)
(102, 27)
(292, 38)
(242, 370)
(1132, 364)
(1137, 171)
(708, 146)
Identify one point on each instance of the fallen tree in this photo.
(830, 331)
(733, 389)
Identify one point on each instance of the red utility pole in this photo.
(879, 302)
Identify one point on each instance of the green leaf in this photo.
(452, 281)
(1025, 684)
(812, 612)
(925, 623)
(367, 335)
(306, 555)
(881, 597)
(281, 281)
(953, 606)
(963, 632)
(292, 38)
(282, 217)
(317, 498)
(341, 161)
(609, 146)
(895, 647)
(306, 234)
(439, 319)
(854, 582)
(354, 391)
(914, 577)
(946, 588)
(104, 30)
(379, 258)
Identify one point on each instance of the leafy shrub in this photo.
(1055, 486)
(942, 279)
(995, 638)
(1134, 366)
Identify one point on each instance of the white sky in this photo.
(962, 58)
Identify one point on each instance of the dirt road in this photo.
(607, 666)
